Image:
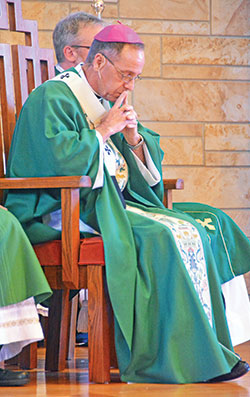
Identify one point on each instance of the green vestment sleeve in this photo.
(137, 189)
(51, 138)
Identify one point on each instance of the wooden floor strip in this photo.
(73, 382)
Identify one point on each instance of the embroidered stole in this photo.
(91, 106)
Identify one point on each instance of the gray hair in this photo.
(109, 48)
(67, 29)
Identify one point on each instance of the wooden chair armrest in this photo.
(70, 204)
(45, 182)
(173, 184)
(169, 185)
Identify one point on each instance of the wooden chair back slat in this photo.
(22, 68)
(7, 107)
(3, 15)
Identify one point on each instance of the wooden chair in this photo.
(69, 263)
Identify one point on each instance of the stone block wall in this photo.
(194, 92)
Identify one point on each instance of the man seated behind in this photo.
(72, 38)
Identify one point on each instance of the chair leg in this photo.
(58, 331)
(28, 357)
(98, 327)
(72, 329)
(113, 357)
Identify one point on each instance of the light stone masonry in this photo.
(222, 187)
(202, 101)
(182, 151)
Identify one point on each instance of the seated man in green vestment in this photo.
(22, 285)
(163, 271)
(72, 37)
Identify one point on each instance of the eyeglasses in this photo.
(80, 46)
(124, 77)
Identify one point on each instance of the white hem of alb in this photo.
(237, 309)
(19, 326)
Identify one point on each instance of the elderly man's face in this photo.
(119, 73)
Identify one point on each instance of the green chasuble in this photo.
(21, 274)
(162, 331)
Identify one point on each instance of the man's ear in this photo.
(69, 54)
(98, 62)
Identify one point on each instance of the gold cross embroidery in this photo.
(205, 223)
